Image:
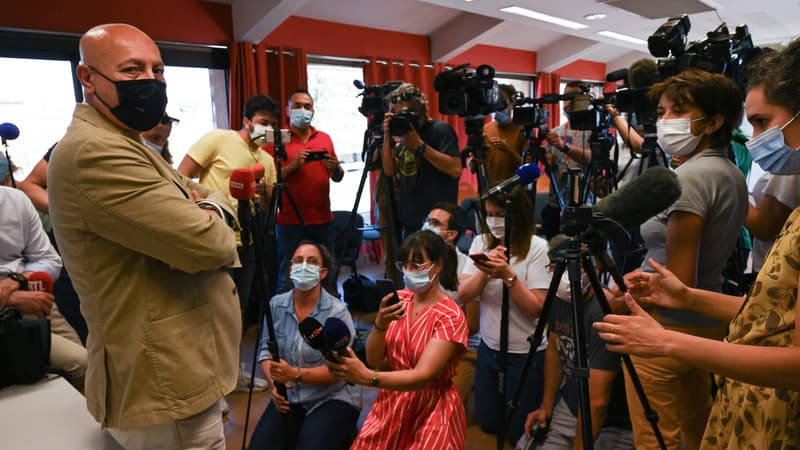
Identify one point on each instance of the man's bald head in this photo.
(111, 53)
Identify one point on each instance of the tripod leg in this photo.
(581, 370)
(649, 412)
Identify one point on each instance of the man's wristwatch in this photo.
(421, 149)
(19, 278)
(510, 282)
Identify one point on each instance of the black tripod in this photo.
(582, 239)
(264, 286)
(601, 168)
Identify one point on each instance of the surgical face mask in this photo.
(564, 291)
(155, 147)
(502, 117)
(427, 226)
(418, 282)
(304, 276)
(770, 151)
(141, 102)
(497, 226)
(300, 118)
(259, 134)
(675, 136)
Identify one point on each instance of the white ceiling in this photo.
(456, 25)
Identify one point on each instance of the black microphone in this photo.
(525, 174)
(655, 190)
(358, 84)
(336, 335)
(8, 131)
(312, 332)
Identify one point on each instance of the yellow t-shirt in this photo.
(220, 152)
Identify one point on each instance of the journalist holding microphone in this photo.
(757, 366)
(319, 412)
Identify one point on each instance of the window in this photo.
(336, 113)
(523, 85)
(40, 105)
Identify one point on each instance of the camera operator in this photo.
(572, 145)
(504, 140)
(425, 161)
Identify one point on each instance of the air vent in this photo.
(659, 9)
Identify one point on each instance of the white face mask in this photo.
(675, 136)
(260, 134)
(564, 290)
(497, 226)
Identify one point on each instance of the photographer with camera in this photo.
(504, 139)
(572, 145)
(425, 159)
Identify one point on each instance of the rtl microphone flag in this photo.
(40, 281)
(258, 171)
(243, 184)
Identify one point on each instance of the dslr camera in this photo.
(468, 93)
(403, 121)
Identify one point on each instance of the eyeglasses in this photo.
(404, 97)
(412, 266)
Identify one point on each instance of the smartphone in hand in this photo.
(386, 287)
(479, 257)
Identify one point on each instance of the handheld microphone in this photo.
(243, 184)
(40, 281)
(358, 84)
(525, 174)
(336, 335)
(258, 171)
(645, 196)
(313, 334)
(8, 131)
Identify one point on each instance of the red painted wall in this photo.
(336, 39)
(501, 58)
(166, 20)
(584, 70)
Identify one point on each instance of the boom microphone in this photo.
(40, 281)
(525, 174)
(312, 332)
(619, 74)
(645, 196)
(336, 335)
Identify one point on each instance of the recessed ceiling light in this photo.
(543, 17)
(622, 37)
(595, 16)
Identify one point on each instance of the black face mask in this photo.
(141, 102)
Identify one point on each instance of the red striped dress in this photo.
(430, 418)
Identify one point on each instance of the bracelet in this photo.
(375, 381)
(299, 376)
(375, 325)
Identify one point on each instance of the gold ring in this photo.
(613, 339)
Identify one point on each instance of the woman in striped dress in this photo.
(414, 347)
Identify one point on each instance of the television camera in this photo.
(374, 104)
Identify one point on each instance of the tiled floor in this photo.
(234, 424)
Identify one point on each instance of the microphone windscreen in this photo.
(358, 84)
(258, 171)
(619, 74)
(9, 131)
(528, 173)
(242, 184)
(40, 281)
(446, 80)
(336, 333)
(647, 195)
(311, 331)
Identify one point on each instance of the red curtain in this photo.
(549, 83)
(271, 71)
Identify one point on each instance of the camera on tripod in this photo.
(589, 113)
(529, 112)
(468, 93)
(374, 104)
(720, 52)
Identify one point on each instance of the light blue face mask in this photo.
(159, 149)
(300, 118)
(502, 117)
(770, 151)
(418, 282)
(304, 276)
(427, 226)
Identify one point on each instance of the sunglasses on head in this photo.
(404, 97)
